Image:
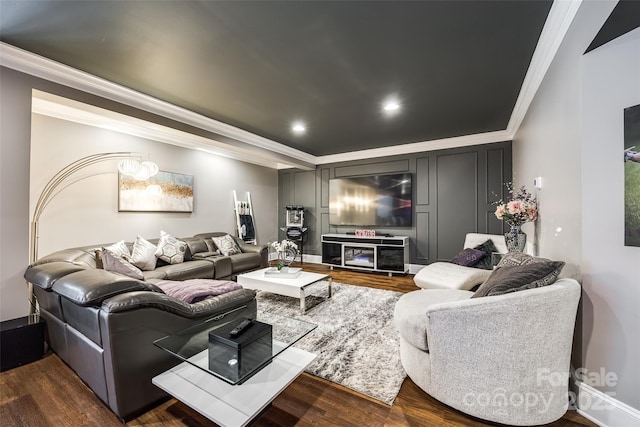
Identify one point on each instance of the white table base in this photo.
(233, 405)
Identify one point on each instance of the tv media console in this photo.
(380, 253)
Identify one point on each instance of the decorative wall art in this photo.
(164, 192)
(632, 176)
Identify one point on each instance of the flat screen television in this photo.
(377, 200)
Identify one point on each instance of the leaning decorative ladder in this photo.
(245, 225)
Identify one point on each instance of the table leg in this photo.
(330, 283)
(303, 302)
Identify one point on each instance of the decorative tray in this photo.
(285, 273)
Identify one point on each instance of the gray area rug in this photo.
(356, 341)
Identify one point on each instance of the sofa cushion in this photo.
(91, 287)
(196, 245)
(488, 247)
(143, 254)
(468, 257)
(410, 312)
(194, 269)
(519, 277)
(171, 249)
(114, 263)
(226, 245)
(245, 261)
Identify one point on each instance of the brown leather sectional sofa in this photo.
(103, 324)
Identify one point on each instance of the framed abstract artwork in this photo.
(164, 192)
(632, 176)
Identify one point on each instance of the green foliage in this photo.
(632, 204)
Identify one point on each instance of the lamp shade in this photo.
(128, 166)
(153, 168)
(143, 173)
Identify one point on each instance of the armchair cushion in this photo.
(410, 314)
(520, 277)
(445, 275)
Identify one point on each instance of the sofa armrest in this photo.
(205, 308)
(45, 275)
(263, 250)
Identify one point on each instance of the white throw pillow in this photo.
(143, 254)
(226, 245)
(119, 249)
(170, 249)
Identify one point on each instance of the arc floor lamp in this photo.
(129, 164)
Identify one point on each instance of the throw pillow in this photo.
(116, 264)
(170, 249)
(518, 258)
(98, 255)
(468, 257)
(143, 254)
(211, 247)
(488, 248)
(519, 277)
(226, 245)
(119, 249)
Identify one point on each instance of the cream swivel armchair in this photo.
(500, 358)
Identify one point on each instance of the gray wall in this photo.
(572, 137)
(87, 211)
(15, 147)
(453, 191)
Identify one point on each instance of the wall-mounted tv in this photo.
(377, 200)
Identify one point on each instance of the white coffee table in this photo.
(212, 393)
(291, 287)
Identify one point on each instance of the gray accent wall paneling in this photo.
(451, 196)
(457, 199)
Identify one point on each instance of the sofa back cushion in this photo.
(91, 287)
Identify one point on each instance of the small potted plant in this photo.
(286, 251)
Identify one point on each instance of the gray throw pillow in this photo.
(519, 258)
(114, 263)
(226, 245)
(171, 249)
(468, 257)
(488, 247)
(519, 277)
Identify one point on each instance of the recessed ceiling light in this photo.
(391, 106)
(298, 128)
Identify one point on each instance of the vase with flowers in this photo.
(286, 252)
(520, 207)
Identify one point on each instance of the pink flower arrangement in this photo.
(520, 208)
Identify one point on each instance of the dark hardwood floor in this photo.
(48, 393)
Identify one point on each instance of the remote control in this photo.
(243, 326)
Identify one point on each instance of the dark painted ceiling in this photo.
(456, 66)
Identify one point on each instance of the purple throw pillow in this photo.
(468, 257)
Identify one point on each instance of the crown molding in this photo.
(418, 147)
(38, 66)
(555, 29)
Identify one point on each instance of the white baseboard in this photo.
(604, 409)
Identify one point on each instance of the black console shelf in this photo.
(380, 254)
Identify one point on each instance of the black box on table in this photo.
(235, 357)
